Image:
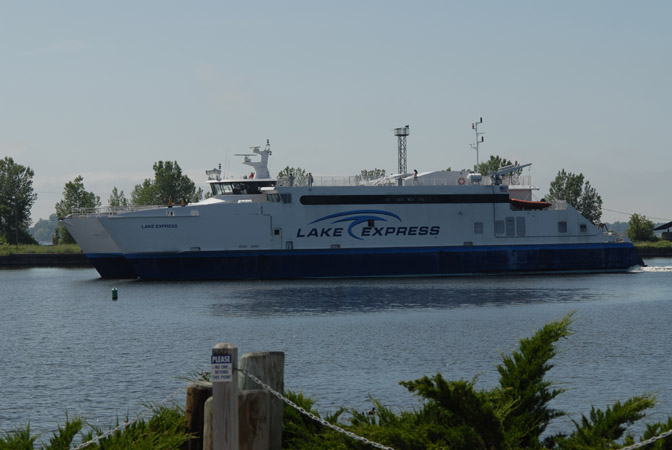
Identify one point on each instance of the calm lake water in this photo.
(65, 346)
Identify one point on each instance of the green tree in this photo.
(169, 185)
(75, 197)
(16, 199)
(117, 199)
(578, 192)
(641, 229)
(300, 176)
(43, 230)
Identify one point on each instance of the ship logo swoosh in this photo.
(357, 217)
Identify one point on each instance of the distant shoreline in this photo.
(20, 260)
(645, 252)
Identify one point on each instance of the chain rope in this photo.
(648, 441)
(140, 415)
(311, 415)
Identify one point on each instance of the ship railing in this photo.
(359, 180)
(356, 180)
(510, 180)
(326, 180)
(110, 210)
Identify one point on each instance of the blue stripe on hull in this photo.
(383, 262)
(111, 266)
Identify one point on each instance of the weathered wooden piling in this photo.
(207, 425)
(197, 394)
(258, 415)
(269, 367)
(253, 420)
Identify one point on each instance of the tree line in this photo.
(170, 185)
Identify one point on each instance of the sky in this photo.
(106, 89)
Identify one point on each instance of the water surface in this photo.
(66, 346)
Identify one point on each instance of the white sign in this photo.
(221, 368)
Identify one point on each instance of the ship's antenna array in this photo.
(474, 126)
(260, 167)
(401, 134)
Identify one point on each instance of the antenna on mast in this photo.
(474, 126)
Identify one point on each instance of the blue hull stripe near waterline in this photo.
(379, 262)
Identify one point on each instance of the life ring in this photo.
(460, 181)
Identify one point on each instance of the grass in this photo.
(61, 249)
(660, 247)
(661, 243)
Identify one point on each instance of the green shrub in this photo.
(165, 430)
(456, 415)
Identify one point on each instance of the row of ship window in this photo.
(515, 226)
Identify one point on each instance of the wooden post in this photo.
(253, 410)
(269, 367)
(207, 424)
(253, 418)
(197, 394)
(224, 362)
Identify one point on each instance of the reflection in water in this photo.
(315, 298)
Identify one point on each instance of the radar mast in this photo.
(260, 167)
(474, 126)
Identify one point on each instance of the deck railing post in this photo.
(224, 363)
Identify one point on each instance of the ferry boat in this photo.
(436, 223)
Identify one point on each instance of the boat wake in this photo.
(650, 269)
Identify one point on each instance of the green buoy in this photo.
(114, 294)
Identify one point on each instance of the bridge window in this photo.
(273, 198)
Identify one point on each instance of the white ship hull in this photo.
(370, 231)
